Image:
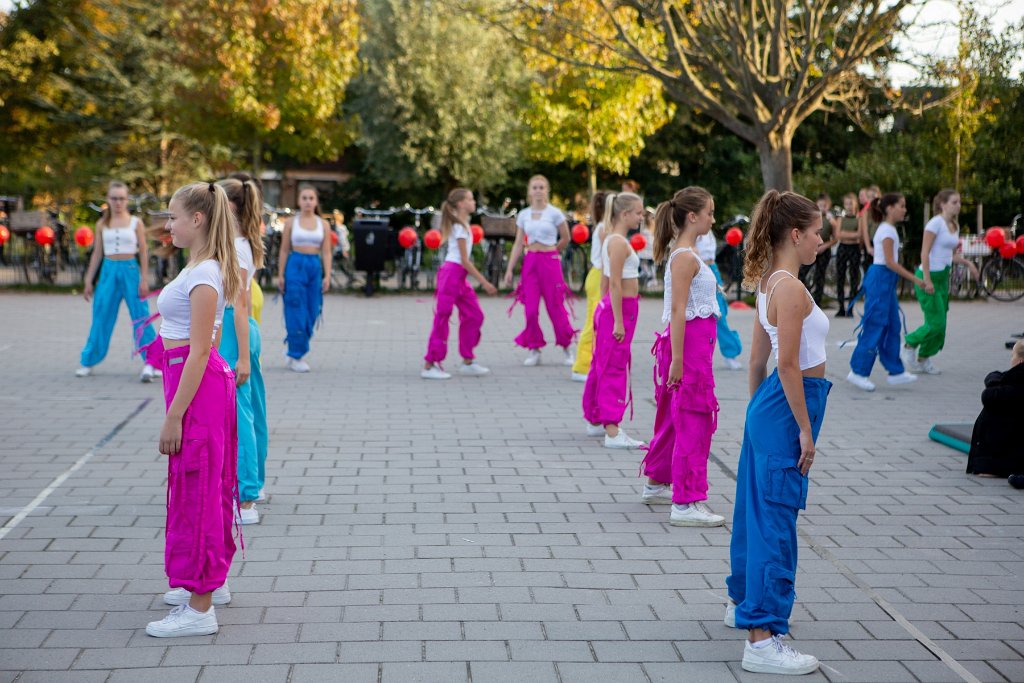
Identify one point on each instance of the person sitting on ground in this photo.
(997, 449)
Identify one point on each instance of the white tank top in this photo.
(812, 336)
(595, 245)
(119, 241)
(703, 301)
(630, 269)
(307, 238)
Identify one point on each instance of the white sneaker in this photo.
(860, 381)
(570, 357)
(184, 621)
(261, 496)
(621, 440)
(473, 369)
(730, 615)
(909, 357)
(732, 363)
(158, 373)
(595, 430)
(434, 372)
(657, 495)
(532, 358)
(180, 596)
(777, 658)
(579, 377)
(928, 368)
(247, 515)
(694, 514)
(297, 365)
(147, 374)
(902, 378)
(83, 372)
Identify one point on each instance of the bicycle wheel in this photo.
(961, 284)
(574, 268)
(494, 262)
(1003, 279)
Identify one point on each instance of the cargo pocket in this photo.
(779, 593)
(697, 394)
(786, 485)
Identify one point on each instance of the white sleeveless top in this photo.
(307, 238)
(595, 245)
(630, 269)
(703, 301)
(120, 241)
(812, 336)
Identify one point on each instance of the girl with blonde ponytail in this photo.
(454, 292)
(241, 344)
(199, 433)
(783, 419)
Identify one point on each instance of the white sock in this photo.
(761, 643)
(195, 611)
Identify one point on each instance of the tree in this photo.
(438, 97)
(758, 68)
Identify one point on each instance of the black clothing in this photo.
(997, 445)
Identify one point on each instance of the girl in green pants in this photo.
(939, 250)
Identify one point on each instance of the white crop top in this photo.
(940, 256)
(245, 260)
(886, 231)
(459, 232)
(307, 238)
(119, 241)
(707, 247)
(630, 268)
(544, 228)
(175, 306)
(703, 301)
(595, 245)
(812, 336)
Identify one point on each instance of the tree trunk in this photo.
(776, 162)
(257, 158)
(592, 177)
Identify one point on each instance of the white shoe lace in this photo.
(782, 648)
(174, 615)
(701, 506)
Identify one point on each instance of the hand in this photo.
(490, 289)
(325, 286)
(928, 287)
(143, 289)
(87, 292)
(619, 332)
(170, 436)
(280, 283)
(806, 452)
(508, 279)
(242, 372)
(871, 251)
(675, 373)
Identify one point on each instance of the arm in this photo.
(959, 258)
(513, 259)
(472, 270)
(927, 240)
(140, 234)
(616, 260)
(563, 236)
(760, 349)
(326, 257)
(282, 257)
(203, 301)
(94, 263)
(241, 319)
(890, 263)
(683, 270)
(791, 307)
(836, 224)
(862, 228)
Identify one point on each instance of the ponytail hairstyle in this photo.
(211, 201)
(775, 215)
(449, 217)
(247, 203)
(104, 220)
(880, 204)
(597, 206)
(941, 198)
(615, 204)
(316, 193)
(670, 217)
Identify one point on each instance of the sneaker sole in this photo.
(758, 668)
(623, 448)
(692, 522)
(218, 602)
(209, 631)
(656, 501)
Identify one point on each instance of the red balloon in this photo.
(734, 237)
(995, 237)
(5, 234)
(638, 242)
(407, 237)
(1008, 250)
(478, 233)
(1020, 244)
(44, 235)
(334, 238)
(432, 238)
(83, 236)
(580, 233)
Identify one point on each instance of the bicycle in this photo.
(498, 228)
(1000, 278)
(575, 261)
(410, 259)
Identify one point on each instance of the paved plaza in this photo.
(468, 531)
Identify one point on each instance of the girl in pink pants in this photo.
(543, 232)
(454, 292)
(607, 391)
(684, 384)
(199, 434)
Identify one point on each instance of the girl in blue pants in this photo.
(783, 421)
(729, 343)
(880, 327)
